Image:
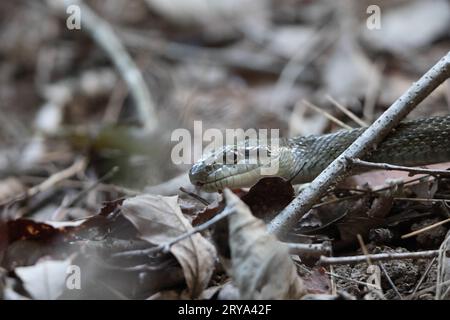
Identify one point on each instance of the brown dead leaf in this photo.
(261, 266)
(351, 217)
(268, 197)
(159, 219)
(366, 214)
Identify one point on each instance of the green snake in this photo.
(301, 159)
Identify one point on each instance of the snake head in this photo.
(236, 166)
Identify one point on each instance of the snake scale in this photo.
(412, 143)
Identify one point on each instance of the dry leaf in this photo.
(46, 280)
(268, 197)
(366, 213)
(159, 219)
(261, 266)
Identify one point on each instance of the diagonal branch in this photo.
(362, 146)
(103, 34)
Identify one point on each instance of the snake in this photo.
(300, 159)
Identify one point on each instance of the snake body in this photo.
(412, 143)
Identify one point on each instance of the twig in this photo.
(94, 185)
(386, 166)
(165, 247)
(326, 114)
(365, 192)
(302, 249)
(391, 283)
(424, 275)
(103, 34)
(55, 178)
(432, 200)
(432, 226)
(85, 184)
(364, 249)
(352, 280)
(347, 112)
(368, 141)
(202, 227)
(324, 261)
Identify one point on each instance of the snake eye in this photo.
(235, 157)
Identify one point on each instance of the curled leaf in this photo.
(159, 219)
(261, 266)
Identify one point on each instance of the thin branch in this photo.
(103, 34)
(365, 143)
(347, 112)
(165, 247)
(429, 200)
(326, 114)
(76, 167)
(432, 226)
(391, 283)
(424, 275)
(202, 227)
(315, 250)
(386, 166)
(325, 261)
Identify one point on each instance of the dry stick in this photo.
(434, 225)
(303, 249)
(103, 34)
(386, 166)
(58, 177)
(347, 112)
(165, 247)
(202, 227)
(429, 200)
(75, 168)
(94, 185)
(324, 261)
(403, 183)
(424, 275)
(326, 114)
(391, 283)
(368, 141)
(364, 248)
